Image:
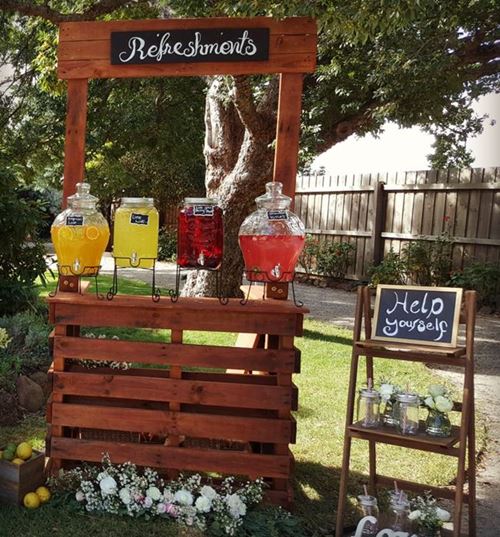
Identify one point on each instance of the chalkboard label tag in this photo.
(140, 219)
(203, 210)
(74, 220)
(419, 315)
(277, 215)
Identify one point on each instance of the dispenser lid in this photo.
(82, 199)
(274, 197)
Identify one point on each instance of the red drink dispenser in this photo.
(200, 234)
(271, 238)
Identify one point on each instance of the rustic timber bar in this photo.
(223, 422)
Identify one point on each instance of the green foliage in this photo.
(167, 244)
(271, 522)
(391, 270)
(308, 257)
(28, 346)
(21, 255)
(482, 277)
(334, 258)
(428, 262)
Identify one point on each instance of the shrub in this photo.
(27, 347)
(428, 262)
(391, 270)
(483, 278)
(21, 255)
(308, 257)
(334, 258)
(167, 244)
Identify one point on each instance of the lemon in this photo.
(31, 500)
(92, 233)
(66, 233)
(24, 451)
(17, 461)
(43, 493)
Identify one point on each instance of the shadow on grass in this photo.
(316, 497)
(315, 335)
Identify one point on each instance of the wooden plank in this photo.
(339, 232)
(186, 314)
(165, 422)
(288, 130)
(277, 63)
(437, 492)
(447, 187)
(272, 360)
(173, 390)
(100, 49)
(95, 30)
(464, 240)
(159, 456)
(74, 145)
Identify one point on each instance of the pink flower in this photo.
(171, 510)
(148, 502)
(161, 508)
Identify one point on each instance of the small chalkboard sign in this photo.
(413, 314)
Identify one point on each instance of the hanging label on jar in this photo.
(203, 210)
(277, 215)
(74, 220)
(140, 219)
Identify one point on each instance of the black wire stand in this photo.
(260, 276)
(175, 293)
(63, 271)
(113, 290)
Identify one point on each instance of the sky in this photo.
(407, 149)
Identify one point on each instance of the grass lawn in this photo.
(322, 402)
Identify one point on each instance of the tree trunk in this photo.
(239, 161)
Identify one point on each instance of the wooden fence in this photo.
(379, 211)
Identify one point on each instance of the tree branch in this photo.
(245, 104)
(31, 9)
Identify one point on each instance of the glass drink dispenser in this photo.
(80, 235)
(271, 238)
(135, 234)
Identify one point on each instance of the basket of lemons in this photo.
(22, 476)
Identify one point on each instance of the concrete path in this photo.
(337, 307)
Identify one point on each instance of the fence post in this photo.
(379, 210)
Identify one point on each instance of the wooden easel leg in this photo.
(471, 475)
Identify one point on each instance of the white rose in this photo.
(208, 492)
(442, 514)
(236, 506)
(184, 497)
(443, 404)
(429, 402)
(108, 485)
(161, 508)
(153, 493)
(436, 389)
(80, 496)
(203, 504)
(148, 502)
(386, 389)
(125, 496)
(414, 515)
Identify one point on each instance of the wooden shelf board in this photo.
(438, 492)
(422, 441)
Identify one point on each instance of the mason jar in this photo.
(408, 410)
(368, 408)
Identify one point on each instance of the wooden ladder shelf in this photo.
(460, 444)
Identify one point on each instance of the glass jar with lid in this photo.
(200, 234)
(135, 233)
(271, 238)
(368, 410)
(369, 507)
(408, 410)
(400, 508)
(80, 234)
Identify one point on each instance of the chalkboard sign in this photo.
(140, 219)
(411, 314)
(190, 46)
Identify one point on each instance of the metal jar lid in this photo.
(137, 202)
(407, 398)
(366, 499)
(369, 393)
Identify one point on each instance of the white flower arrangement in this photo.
(123, 489)
(437, 399)
(427, 515)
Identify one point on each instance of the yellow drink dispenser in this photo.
(135, 235)
(80, 235)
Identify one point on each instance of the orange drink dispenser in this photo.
(135, 233)
(271, 238)
(80, 235)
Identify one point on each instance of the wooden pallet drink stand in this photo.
(461, 444)
(175, 418)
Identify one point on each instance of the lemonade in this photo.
(135, 235)
(80, 235)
